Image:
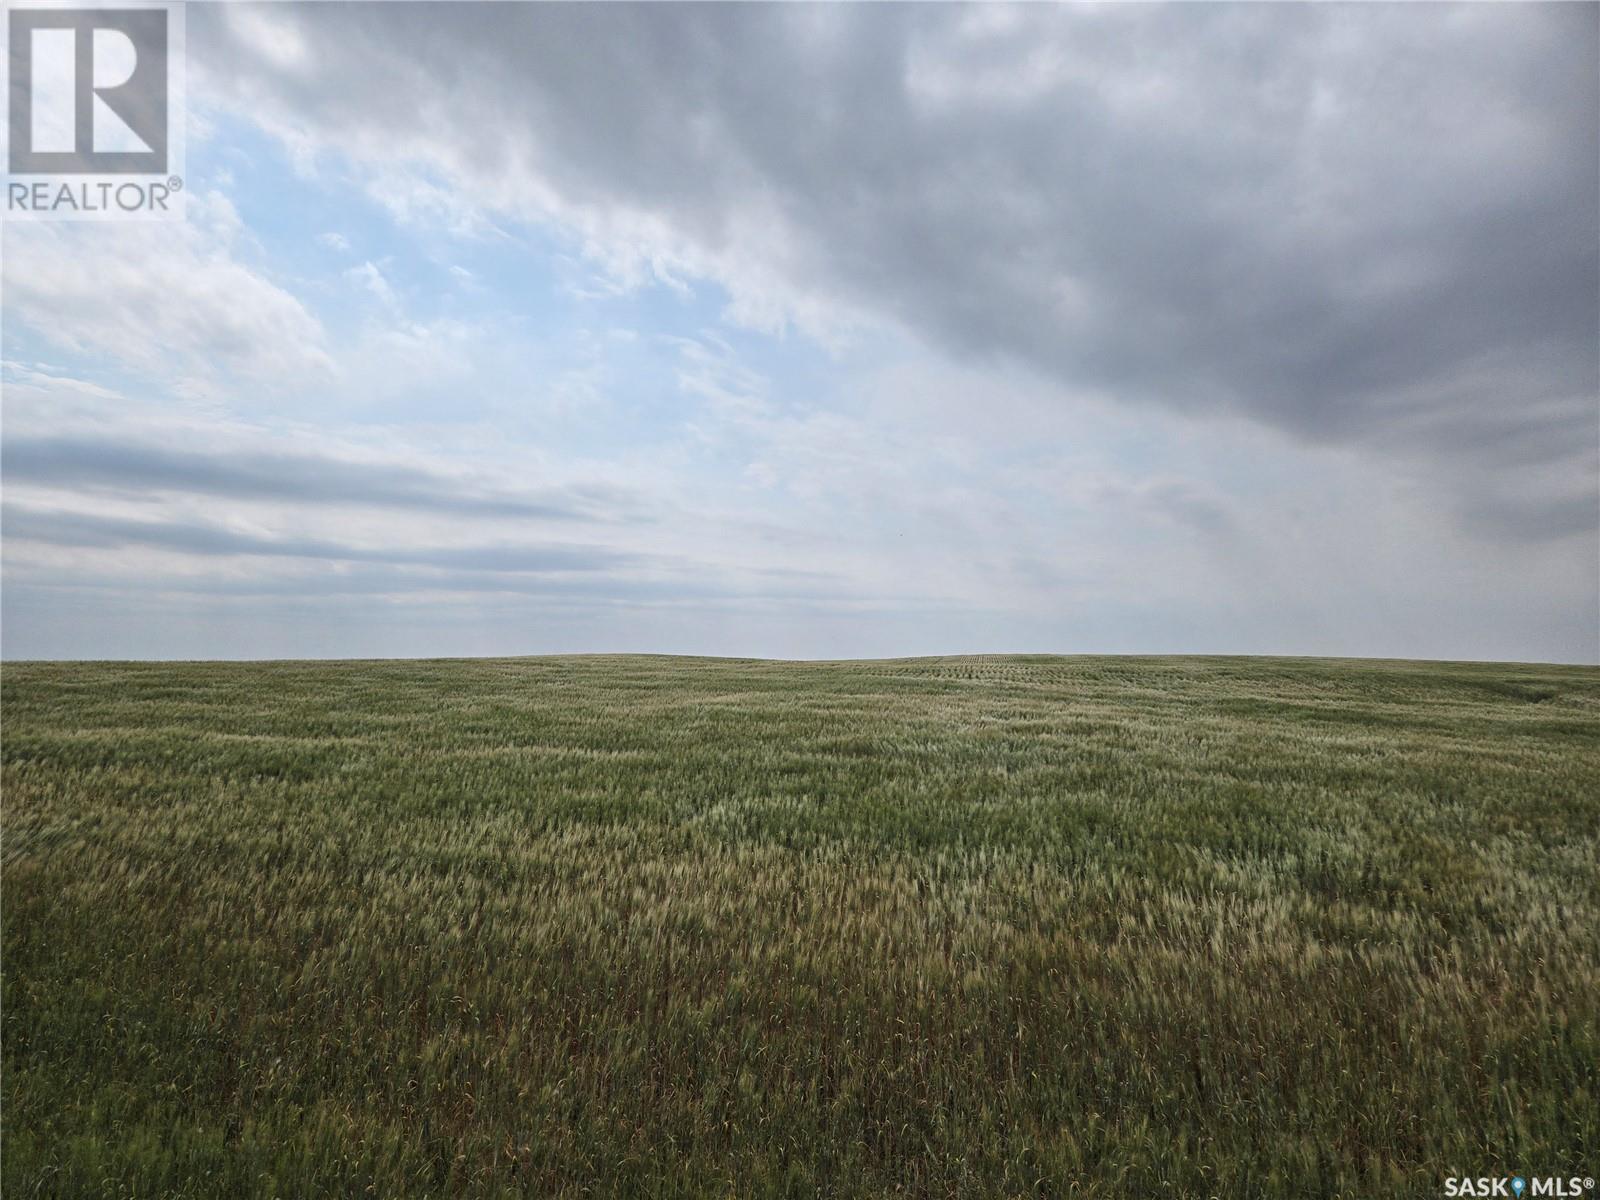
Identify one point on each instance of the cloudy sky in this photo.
(830, 331)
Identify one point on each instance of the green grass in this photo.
(654, 926)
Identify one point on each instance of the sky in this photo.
(829, 331)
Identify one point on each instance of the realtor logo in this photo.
(94, 97)
(88, 91)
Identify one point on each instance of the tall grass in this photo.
(672, 927)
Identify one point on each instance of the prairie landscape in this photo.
(1010, 926)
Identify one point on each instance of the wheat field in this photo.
(650, 926)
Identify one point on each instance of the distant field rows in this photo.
(688, 927)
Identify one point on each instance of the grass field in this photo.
(653, 926)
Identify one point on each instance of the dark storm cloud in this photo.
(1523, 519)
(1374, 226)
(115, 464)
(83, 530)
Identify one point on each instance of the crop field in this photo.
(638, 926)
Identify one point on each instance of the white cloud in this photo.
(371, 278)
(169, 302)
